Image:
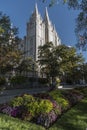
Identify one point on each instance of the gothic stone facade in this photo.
(39, 32)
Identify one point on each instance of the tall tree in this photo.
(57, 61)
(9, 53)
(49, 63)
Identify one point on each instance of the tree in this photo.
(48, 62)
(26, 65)
(79, 74)
(71, 3)
(9, 53)
(57, 61)
(70, 60)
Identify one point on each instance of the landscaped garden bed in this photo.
(42, 109)
(74, 119)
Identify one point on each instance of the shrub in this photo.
(43, 96)
(56, 108)
(2, 81)
(43, 80)
(7, 110)
(10, 110)
(47, 119)
(73, 96)
(57, 81)
(27, 99)
(62, 102)
(38, 107)
(18, 79)
(45, 106)
(33, 108)
(55, 93)
(27, 116)
(23, 100)
(18, 101)
(58, 97)
(16, 112)
(32, 79)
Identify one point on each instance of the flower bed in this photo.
(43, 109)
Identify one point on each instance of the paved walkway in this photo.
(7, 95)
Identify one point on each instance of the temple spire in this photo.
(36, 9)
(46, 15)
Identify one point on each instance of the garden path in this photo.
(7, 95)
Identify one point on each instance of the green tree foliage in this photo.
(27, 65)
(7, 32)
(81, 25)
(48, 61)
(57, 60)
(71, 3)
(70, 58)
(71, 61)
(11, 57)
(9, 53)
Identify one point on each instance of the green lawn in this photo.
(9, 123)
(74, 119)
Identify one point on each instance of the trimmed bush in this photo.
(55, 93)
(62, 102)
(2, 81)
(22, 101)
(43, 80)
(18, 79)
(18, 101)
(58, 97)
(45, 106)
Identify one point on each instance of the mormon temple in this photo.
(39, 32)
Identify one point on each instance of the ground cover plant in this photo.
(42, 109)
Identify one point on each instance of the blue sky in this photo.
(63, 18)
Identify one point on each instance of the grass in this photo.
(74, 119)
(9, 123)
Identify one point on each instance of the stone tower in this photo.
(39, 32)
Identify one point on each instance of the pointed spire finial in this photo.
(36, 9)
(46, 14)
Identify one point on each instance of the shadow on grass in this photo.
(4, 128)
(74, 119)
(10, 123)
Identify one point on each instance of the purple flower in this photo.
(7, 110)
